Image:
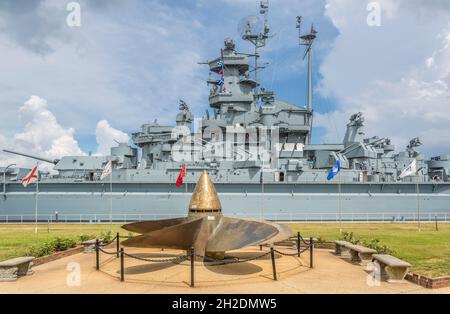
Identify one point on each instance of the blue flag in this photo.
(334, 171)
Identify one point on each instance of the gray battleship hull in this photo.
(258, 151)
(90, 202)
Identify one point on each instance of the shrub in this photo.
(373, 243)
(349, 237)
(47, 248)
(85, 237)
(41, 250)
(106, 236)
(321, 239)
(380, 248)
(62, 244)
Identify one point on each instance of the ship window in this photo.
(281, 176)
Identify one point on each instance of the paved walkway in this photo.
(331, 274)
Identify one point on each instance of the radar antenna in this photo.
(253, 30)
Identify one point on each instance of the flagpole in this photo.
(339, 202)
(36, 200)
(418, 202)
(110, 198)
(262, 190)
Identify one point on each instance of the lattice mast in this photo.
(249, 33)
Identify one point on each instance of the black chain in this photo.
(106, 244)
(177, 259)
(217, 262)
(291, 254)
(301, 239)
(106, 252)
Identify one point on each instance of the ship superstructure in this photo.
(289, 184)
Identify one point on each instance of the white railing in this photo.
(285, 217)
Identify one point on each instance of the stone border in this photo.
(428, 282)
(57, 255)
(324, 245)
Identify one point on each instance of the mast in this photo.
(309, 97)
(248, 32)
(307, 41)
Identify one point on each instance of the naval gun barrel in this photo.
(52, 161)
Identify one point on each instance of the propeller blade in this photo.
(179, 236)
(234, 233)
(152, 225)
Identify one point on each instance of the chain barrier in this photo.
(106, 244)
(106, 252)
(207, 260)
(301, 239)
(177, 259)
(292, 254)
(217, 262)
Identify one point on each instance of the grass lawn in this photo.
(428, 250)
(15, 240)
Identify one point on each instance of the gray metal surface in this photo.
(294, 184)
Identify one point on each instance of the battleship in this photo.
(289, 183)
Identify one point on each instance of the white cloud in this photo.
(41, 134)
(107, 136)
(129, 62)
(398, 74)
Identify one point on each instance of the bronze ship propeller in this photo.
(205, 228)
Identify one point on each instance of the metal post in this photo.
(311, 252)
(339, 202)
(418, 202)
(36, 200)
(262, 189)
(274, 270)
(110, 198)
(97, 253)
(4, 178)
(122, 270)
(117, 243)
(298, 244)
(192, 266)
(435, 219)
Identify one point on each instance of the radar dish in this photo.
(250, 26)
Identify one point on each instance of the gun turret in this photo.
(54, 161)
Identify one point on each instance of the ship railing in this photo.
(305, 217)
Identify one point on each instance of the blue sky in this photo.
(130, 61)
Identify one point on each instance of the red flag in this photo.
(31, 177)
(181, 176)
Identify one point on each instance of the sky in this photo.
(74, 90)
